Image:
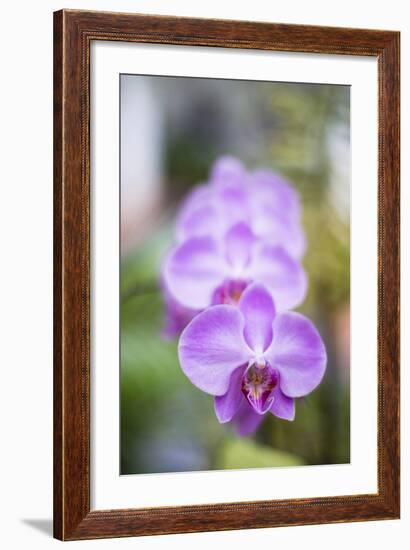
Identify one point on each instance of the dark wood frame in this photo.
(73, 33)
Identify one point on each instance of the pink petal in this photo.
(279, 232)
(298, 352)
(200, 221)
(271, 189)
(212, 346)
(197, 197)
(238, 242)
(258, 308)
(283, 276)
(275, 207)
(228, 170)
(246, 421)
(227, 405)
(283, 406)
(193, 271)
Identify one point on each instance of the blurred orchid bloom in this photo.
(262, 199)
(204, 271)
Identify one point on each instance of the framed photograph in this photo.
(226, 275)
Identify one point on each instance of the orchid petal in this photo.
(227, 170)
(271, 189)
(212, 346)
(283, 406)
(197, 197)
(258, 309)
(238, 243)
(246, 420)
(227, 405)
(271, 227)
(283, 276)
(200, 221)
(193, 271)
(298, 352)
(275, 208)
(233, 204)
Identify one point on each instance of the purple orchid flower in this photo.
(204, 271)
(262, 199)
(252, 359)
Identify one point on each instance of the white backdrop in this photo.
(26, 274)
(108, 489)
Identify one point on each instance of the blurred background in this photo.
(172, 130)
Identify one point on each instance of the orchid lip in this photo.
(229, 292)
(258, 383)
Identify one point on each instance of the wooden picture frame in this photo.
(73, 33)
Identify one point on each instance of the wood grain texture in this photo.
(73, 32)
